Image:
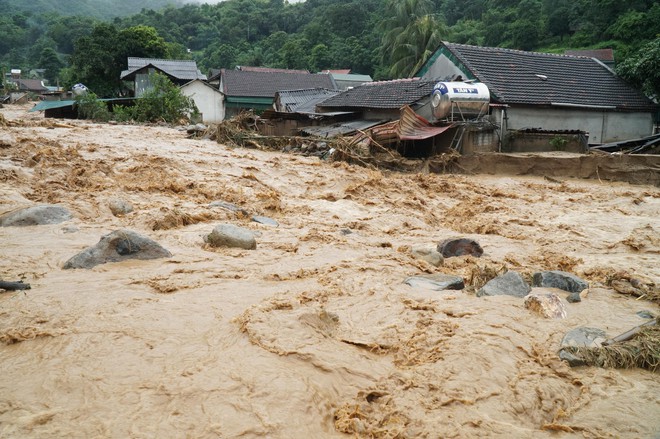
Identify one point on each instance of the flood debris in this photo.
(436, 282)
(118, 246)
(638, 347)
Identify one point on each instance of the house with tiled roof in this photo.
(255, 90)
(178, 71)
(606, 56)
(382, 99)
(31, 85)
(547, 92)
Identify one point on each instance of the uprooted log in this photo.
(639, 347)
(13, 286)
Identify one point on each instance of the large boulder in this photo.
(229, 235)
(545, 303)
(428, 254)
(460, 247)
(510, 283)
(559, 279)
(36, 216)
(118, 246)
(436, 282)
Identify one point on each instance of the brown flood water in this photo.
(313, 334)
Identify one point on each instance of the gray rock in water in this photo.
(460, 247)
(229, 206)
(559, 279)
(510, 283)
(645, 314)
(430, 255)
(265, 220)
(118, 246)
(583, 337)
(546, 304)
(120, 207)
(229, 235)
(36, 216)
(574, 298)
(436, 282)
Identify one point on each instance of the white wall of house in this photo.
(210, 102)
(603, 126)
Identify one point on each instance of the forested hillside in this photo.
(103, 9)
(383, 38)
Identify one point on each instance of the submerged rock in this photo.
(460, 247)
(265, 221)
(229, 235)
(118, 246)
(428, 254)
(546, 304)
(510, 283)
(574, 298)
(583, 337)
(36, 216)
(436, 282)
(120, 207)
(559, 279)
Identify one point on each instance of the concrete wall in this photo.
(210, 103)
(603, 126)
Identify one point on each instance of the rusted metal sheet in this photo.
(412, 126)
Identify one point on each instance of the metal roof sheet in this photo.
(302, 101)
(340, 129)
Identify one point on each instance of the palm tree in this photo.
(410, 36)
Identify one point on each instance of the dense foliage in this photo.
(383, 38)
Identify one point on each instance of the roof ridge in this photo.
(527, 52)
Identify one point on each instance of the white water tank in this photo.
(459, 99)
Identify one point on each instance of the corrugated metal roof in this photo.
(352, 77)
(340, 129)
(302, 101)
(177, 68)
(383, 95)
(412, 126)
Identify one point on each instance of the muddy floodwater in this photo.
(313, 334)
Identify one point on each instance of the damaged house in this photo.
(178, 71)
(538, 97)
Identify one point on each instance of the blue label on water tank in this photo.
(472, 91)
(441, 87)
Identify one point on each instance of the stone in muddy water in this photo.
(574, 298)
(120, 207)
(118, 246)
(559, 279)
(229, 206)
(583, 337)
(460, 247)
(546, 304)
(510, 283)
(265, 220)
(229, 235)
(645, 314)
(436, 282)
(36, 216)
(428, 254)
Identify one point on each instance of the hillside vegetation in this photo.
(383, 38)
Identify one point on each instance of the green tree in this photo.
(643, 68)
(50, 61)
(411, 35)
